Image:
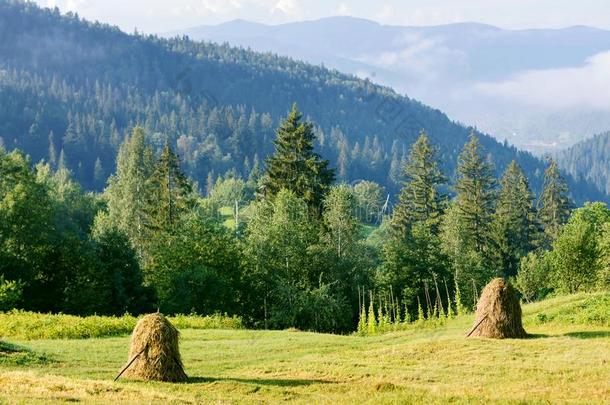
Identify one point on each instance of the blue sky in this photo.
(161, 15)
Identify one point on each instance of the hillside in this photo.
(589, 161)
(564, 361)
(67, 85)
(474, 72)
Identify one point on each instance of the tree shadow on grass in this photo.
(537, 336)
(594, 334)
(259, 381)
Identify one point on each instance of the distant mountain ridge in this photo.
(465, 69)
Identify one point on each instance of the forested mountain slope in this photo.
(70, 90)
(589, 161)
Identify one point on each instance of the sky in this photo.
(159, 16)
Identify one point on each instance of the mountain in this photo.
(70, 90)
(496, 79)
(589, 161)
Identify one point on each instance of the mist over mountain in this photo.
(542, 89)
(70, 90)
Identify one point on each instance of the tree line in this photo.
(298, 248)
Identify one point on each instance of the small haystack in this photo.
(154, 353)
(498, 312)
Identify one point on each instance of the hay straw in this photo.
(499, 312)
(154, 344)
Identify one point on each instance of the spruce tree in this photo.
(515, 224)
(412, 256)
(554, 203)
(126, 191)
(169, 193)
(295, 166)
(476, 197)
(420, 198)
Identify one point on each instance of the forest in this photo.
(298, 248)
(589, 160)
(71, 89)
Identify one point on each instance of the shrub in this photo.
(30, 325)
(10, 293)
(532, 281)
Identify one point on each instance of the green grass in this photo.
(15, 355)
(567, 361)
(29, 325)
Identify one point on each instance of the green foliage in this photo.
(168, 194)
(590, 310)
(126, 192)
(294, 165)
(534, 278)
(420, 199)
(412, 255)
(515, 227)
(603, 278)
(467, 228)
(554, 203)
(370, 197)
(227, 191)
(476, 198)
(10, 293)
(30, 325)
(577, 255)
(195, 267)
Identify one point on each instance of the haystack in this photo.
(498, 312)
(154, 353)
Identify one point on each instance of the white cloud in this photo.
(207, 7)
(290, 8)
(343, 9)
(567, 88)
(426, 58)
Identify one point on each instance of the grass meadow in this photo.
(566, 360)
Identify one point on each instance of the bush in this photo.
(30, 325)
(532, 281)
(10, 293)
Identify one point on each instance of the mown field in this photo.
(567, 359)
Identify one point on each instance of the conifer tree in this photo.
(413, 255)
(52, 153)
(515, 229)
(98, 173)
(169, 193)
(554, 203)
(420, 199)
(126, 191)
(476, 197)
(295, 166)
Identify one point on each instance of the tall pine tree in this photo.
(554, 203)
(515, 224)
(476, 196)
(421, 199)
(169, 193)
(126, 191)
(295, 166)
(412, 256)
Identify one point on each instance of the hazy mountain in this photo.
(537, 88)
(70, 90)
(589, 161)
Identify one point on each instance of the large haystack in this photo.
(498, 312)
(154, 346)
